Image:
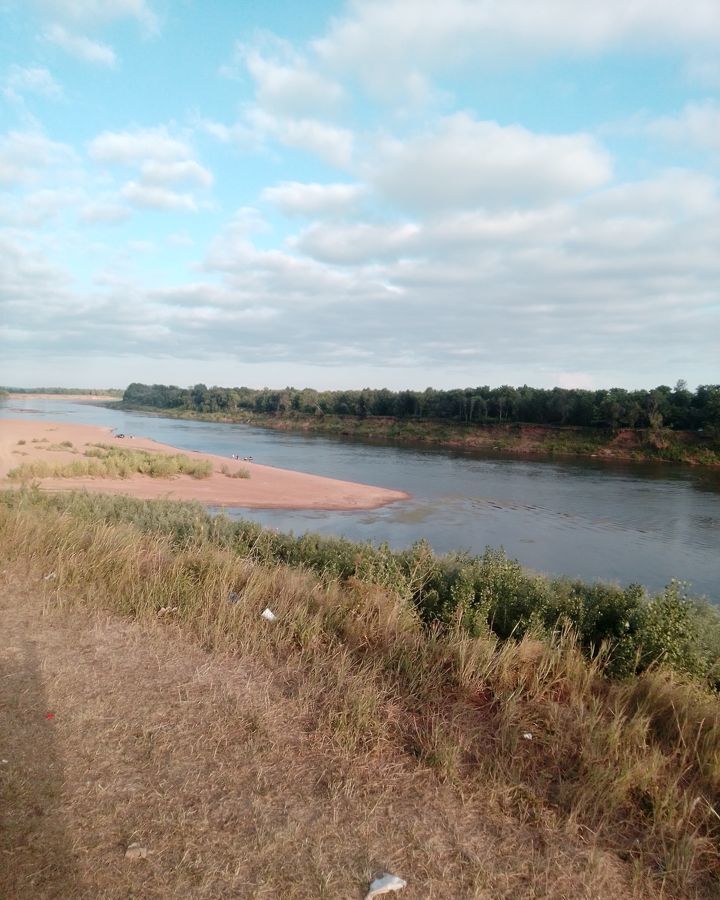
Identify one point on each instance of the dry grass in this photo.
(207, 760)
(632, 768)
(106, 461)
(242, 472)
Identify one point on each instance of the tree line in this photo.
(663, 406)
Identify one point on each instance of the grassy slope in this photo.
(424, 726)
(630, 444)
(218, 765)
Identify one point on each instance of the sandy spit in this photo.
(267, 487)
(71, 398)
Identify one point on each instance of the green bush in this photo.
(625, 628)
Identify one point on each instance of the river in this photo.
(620, 522)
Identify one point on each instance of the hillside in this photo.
(294, 758)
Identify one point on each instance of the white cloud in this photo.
(290, 88)
(30, 80)
(465, 163)
(329, 143)
(381, 40)
(187, 171)
(131, 147)
(108, 212)
(162, 162)
(698, 124)
(298, 198)
(80, 47)
(704, 70)
(359, 243)
(148, 196)
(38, 207)
(99, 12)
(624, 280)
(25, 155)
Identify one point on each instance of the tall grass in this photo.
(106, 461)
(635, 762)
(626, 629)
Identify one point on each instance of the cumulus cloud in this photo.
(293, 104)
(697, 124)
(329, 143)
(38, 207)
(378, 40)
(148, 196)
(162, 161)
(107, 212)
(22, 80)
(298, 198)
(99, 12)
(80, 47)
(139, 144)
(290, 88)
(25, 155)
(464, 163)
(582, 289)
(358, 243)
(187, 170)
(704, 69)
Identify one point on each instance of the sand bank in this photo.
(266, 488)
(71, 398)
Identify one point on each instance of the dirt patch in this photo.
(209, 763)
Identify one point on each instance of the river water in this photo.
(621, 522)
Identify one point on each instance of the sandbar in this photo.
(267, 487)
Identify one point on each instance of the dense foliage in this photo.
(676, 408)
(628, 628)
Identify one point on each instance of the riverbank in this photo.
(231, 483)
(468, 764)
(88, 397)
(628, 444)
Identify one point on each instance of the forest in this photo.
(676, 408)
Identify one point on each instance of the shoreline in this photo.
(515, 439)
(24, 441)
(72, 398)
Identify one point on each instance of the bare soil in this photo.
(115, 733)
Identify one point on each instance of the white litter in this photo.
(3, 761)
(386, 884)
(269, 615)
(528, 735)
(135, 851)
(50, 576)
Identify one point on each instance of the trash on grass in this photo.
(50, 576)
(268, 614)
(385, 884)
(49, 715)
(527, 735)
(135, 851)
(166, 610)
(233, 597)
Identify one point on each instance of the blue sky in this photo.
(393, 193)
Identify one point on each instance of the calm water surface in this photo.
(597, 520)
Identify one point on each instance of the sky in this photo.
(372, 193)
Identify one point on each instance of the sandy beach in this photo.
(22, 441)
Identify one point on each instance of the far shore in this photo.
(23, 441)
(74, 398)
